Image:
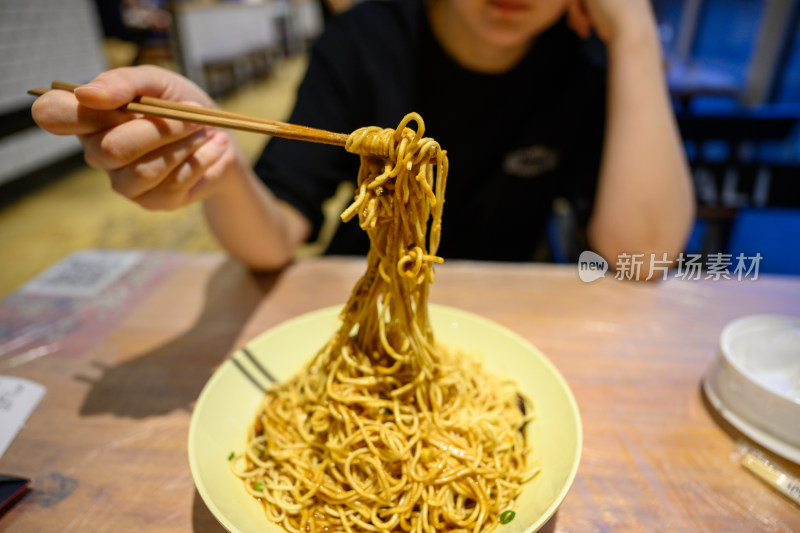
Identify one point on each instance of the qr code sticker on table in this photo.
(83, 274)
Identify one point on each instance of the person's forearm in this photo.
(645, 200)
(251, 224)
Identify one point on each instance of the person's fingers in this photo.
(117, 87)
(212, 177)
(176, 190)
(150, 170)
(120, 146)
(59, 112)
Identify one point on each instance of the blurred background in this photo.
(733, 69)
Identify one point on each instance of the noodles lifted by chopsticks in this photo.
(386, 430)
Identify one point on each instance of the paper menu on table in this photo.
(18, 398)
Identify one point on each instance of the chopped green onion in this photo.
(386, 412)
(507, 517)
(258, 486)
(231, 456)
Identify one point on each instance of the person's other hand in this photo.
(158, 163)
(610, 19)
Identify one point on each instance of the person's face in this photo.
(508, 23)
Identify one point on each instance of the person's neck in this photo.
(465, 47)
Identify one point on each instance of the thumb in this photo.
(117, 87)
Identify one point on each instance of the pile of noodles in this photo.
(386, 430)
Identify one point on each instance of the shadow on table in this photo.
(172, 375)
(550, 525)
(202, 519)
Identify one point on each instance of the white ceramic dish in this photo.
(754, 381)
(228, 403)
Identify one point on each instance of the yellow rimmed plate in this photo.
(229, 400)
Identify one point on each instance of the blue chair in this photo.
(772, 232)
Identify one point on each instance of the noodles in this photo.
(385, 429)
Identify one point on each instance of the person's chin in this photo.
(505, 36)
(508, 27)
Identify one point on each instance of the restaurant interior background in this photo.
(733, 67)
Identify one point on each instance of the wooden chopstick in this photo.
(147, 105)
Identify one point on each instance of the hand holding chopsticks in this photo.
(168, 164)
(157, 107)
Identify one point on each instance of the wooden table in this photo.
(106, 447)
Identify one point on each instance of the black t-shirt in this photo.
(515, 140)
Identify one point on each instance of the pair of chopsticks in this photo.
(147, 105)
(250, 360)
